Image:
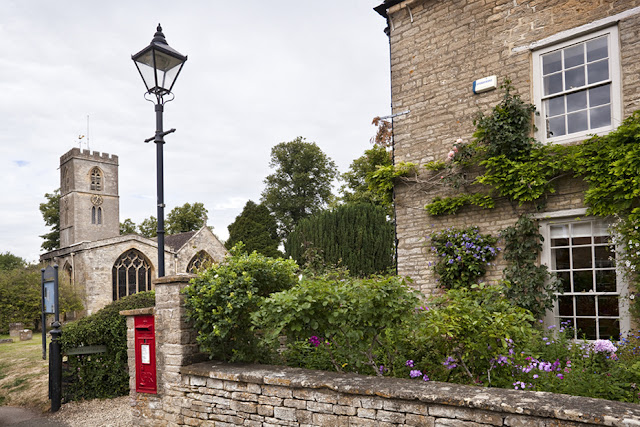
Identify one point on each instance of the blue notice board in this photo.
(49, 298)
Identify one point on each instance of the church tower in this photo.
(89, 203)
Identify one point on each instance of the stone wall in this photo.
(208, 393)
(438, 48)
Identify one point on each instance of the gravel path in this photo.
(96, 413)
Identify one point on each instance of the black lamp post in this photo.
(159, 66)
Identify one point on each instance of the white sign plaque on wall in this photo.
(145, 356)
(485, 84)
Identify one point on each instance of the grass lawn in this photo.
(24, 376)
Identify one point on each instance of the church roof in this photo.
(176, 241)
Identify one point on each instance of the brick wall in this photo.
(216, 394)
(438, 48)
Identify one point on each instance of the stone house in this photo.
(100, 263)
(577, 61)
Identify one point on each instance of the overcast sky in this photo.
(259, 73)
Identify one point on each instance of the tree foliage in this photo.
(358, 237)
(300, 185)
(127, 227)
(356, 181)
(20, 295)
(188, 217)
(149, 227)
(9, 261)
(257, 229)
(51, 214)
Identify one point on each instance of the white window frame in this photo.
(553, 316)
(614, 78)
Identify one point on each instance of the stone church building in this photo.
(578, 62)
(103, 265)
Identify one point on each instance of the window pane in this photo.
(609, 329)
(606, 281)
(559, 235)
(553, 84)
(556, 127)
(552, 62)
(598, 71)
(583, 281)
(555, 106)
(586, 328)
(581, 229)
(122, 282)
(574, 56)
(565, 305)
(577, 101)
(132, 281)
(577, 122)
(565, 280)
(608, 306)
(585, 305)
(600, 117)
(603, 257)
(574, 78)
(600, 95)
(560, 259)
(582, 257)
(597, 49)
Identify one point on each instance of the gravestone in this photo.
(26, 335)
(15, 328)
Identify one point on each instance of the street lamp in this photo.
(159, 66)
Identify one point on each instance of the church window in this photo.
(96, 179)
(93, 215)
(131, 273)
(200, 260)
(99, 215)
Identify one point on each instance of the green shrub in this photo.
(463, 335)
(353, 324)
(358, 237)
(220, 301)
(527, 284)
(101, 375)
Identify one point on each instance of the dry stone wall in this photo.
(215, 394)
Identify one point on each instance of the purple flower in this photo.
(314, 340)
(425, 377)
(450, 363)
(604, 346)
(409, 363)
(415, 373)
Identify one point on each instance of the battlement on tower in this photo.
(88, 155)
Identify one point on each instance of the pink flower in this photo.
(451, 155)
(459, 141)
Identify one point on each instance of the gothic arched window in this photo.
(99, 215)
(131, 273)
(200, 260)
(96, 179)
(93, 215)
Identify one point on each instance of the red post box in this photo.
(145, 354)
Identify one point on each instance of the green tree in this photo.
(300, 185)
(358, 237)
(257, 229)
(127, 227)
(51, 214)
(9, 261)
(20, 296)
(149, 227)
(188, 217)
(356, 181)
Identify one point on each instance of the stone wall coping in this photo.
(533, 403)
(175, 278)
(138, 311)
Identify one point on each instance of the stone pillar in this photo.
(175, 338)
(175, 347)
